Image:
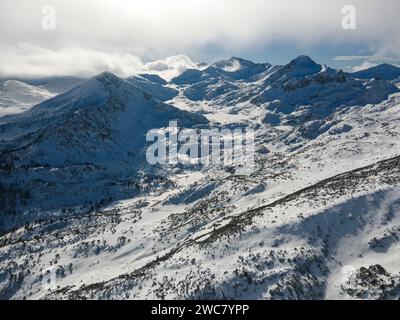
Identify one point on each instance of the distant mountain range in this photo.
(382, 71)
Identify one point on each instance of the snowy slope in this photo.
(153, 85)
(55, 84)
(17, 96)
(384, 71)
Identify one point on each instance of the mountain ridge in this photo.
(384, 71)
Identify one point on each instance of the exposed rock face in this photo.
(373, 282)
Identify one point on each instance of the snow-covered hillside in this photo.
(90, 138)
(84, 216)
(18, 95)
(384, 71)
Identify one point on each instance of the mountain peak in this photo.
(387, 65)
(106, 77)
(302, 66)
(233, 64)
(113, 85)
(303, 60)
(384, 71)
(153, 78)
(240, 60)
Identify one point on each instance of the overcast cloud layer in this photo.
(124, 35)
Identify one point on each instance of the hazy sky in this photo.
(124, 35)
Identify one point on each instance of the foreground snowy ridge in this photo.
(250, 276)
(83, 216)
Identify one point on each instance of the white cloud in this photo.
(114, 33)
(367, 62)
(365, 65)
(159, 25)
(170, 67)
(376, 58)
(29, 60)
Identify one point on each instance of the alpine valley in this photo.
(84, 216)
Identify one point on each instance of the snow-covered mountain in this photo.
(153, 85)
(18, 95)
(85, 217)
(55, 84)
(91, 138)
(383, 71)
(220, 79)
